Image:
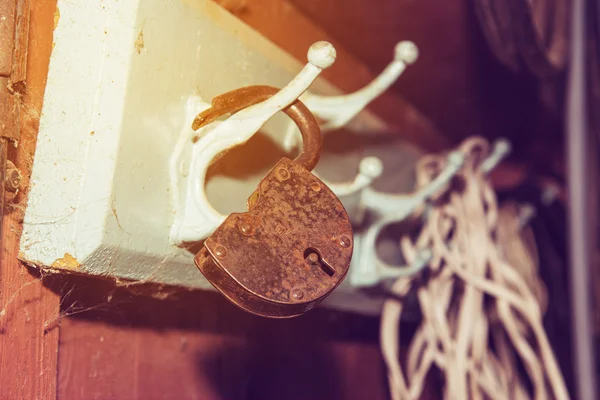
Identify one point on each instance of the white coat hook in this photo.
(499, 152)
(389, 271)
(337, 111)
(369, 169)
(370, 269)
(387, 203)
(195, 218)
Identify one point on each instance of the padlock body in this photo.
(288, 252)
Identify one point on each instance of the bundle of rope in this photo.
(516, 242)
(481, 309)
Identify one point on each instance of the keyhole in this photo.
(313, 257)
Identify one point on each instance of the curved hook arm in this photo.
(385, 203)
(369, 169)
(242, 125)
(501, 149)
(321, 55)
(371, 268)
(339, 110)
(412, 202)
(405, 204)
(368, 269)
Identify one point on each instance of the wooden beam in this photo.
(28, 351)
(197, 345)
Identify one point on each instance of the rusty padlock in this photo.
(294, 245)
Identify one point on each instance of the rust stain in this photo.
(139, 42)
(56, 17)
(238, 99)
(92, 133)
(67, 262)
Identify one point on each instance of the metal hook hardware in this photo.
(369, 169)
(369, 268)
(250, 108)
(337, 111)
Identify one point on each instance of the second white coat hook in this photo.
(369, 169)
(337, 111)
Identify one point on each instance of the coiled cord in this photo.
(481, 309)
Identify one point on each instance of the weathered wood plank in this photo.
(28, 353)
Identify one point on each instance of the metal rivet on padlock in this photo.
(294, 245)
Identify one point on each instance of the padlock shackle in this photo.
(238, 99)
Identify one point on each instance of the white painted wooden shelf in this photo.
(121, 74)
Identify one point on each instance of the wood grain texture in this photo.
(104, 362)
(28, 353)
(289, 28)
(199, 346)
(7, 27)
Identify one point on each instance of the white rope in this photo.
(483, 303)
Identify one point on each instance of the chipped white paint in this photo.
(120, 76)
